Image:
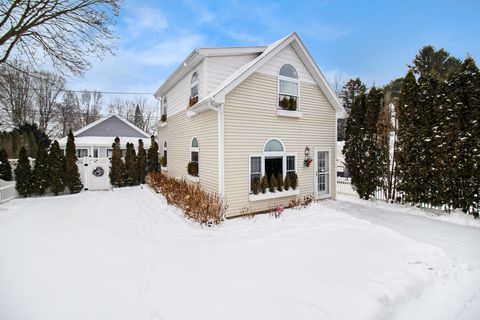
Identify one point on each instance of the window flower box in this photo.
(273, 195)
(289, 113)
(193, 179)
(163, 124)
(164, 168)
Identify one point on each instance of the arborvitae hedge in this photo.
(23, 175)
(56, 168)
(5, 167)
(141, 166)
(40, 169)
(153, 165)
(117, 169)
(72, 176)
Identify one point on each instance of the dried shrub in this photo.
(192, 101)
(247, 212)
(192, 168)
(201, 206)
(163, 161)
(307, 200)
(295, 203)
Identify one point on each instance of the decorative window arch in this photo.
(194, 84)
(274, 160)
(273, 145)
(288, 88)
(194, 156)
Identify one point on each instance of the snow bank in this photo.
(456, 217)
(128, 255)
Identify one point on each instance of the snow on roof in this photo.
(104, 141)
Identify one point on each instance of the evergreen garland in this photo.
(23, 175)
(72, 175)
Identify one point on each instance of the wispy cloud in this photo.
(141, 19)
(202, 13)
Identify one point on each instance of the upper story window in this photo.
(164, 106)
(194, 83)
(288, 86)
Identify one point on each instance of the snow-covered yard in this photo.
(126, 254)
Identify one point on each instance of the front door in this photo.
(322, 172)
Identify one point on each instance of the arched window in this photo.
(165, 152)
(164, 106)
(194, 150)
(288, 88)
(273, 161)
(273, 145)
(194, 85)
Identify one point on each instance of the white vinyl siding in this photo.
(219, 68)
(251, 119)
(179, 133)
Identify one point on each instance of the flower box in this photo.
(273, 195)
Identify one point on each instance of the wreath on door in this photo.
(98, 172)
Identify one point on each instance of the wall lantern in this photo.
(307, 151)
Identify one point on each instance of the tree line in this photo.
(41, 97)
(51, 171)
(418, 138)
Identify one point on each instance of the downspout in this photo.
(219, 108)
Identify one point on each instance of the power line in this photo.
(68, 90)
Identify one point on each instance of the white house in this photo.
(239, 114)
(95, 140)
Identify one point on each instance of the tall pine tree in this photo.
(40, 169)
(56, 168)
(5, 167)
(407, 145)
(141, 165)
(117, 169)
(152, 160)
(130, 166)
(23, 174)
(72, 175)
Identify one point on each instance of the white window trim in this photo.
(196, 83)
(263, 156)
(164, 105)
(165, 148)
(195, 149)
(284, 78)
(76, 153)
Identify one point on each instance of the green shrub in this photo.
(279, 182)
(287, 183)
(255, 185)
(273, 183)
(264, 184)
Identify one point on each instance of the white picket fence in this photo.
(7, 191)
(344, 186)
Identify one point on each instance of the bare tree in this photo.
(126, 109)
(90, 106)
(68, 114)
(16, 93)
(338, 82)
(67, 32)
(47, 90)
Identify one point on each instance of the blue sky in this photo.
(373, 40)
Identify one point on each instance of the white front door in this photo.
(322, 174)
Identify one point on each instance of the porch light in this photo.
(307, 151)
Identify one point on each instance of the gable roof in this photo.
(197, 56)
(219, 93)
(111, 126)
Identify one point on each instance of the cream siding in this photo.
(286, 56)
(179, 133)
(179, 94)
(251, 119)
(219, 68)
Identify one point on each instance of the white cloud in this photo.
(141, 19)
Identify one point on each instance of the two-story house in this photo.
(242, 113)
